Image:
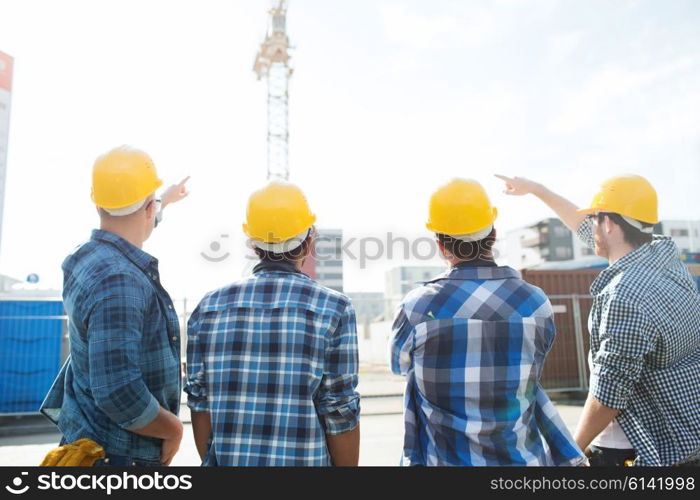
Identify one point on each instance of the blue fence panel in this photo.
(30, 352)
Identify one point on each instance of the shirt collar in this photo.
(477, 273)
(476, 263)
(142, 259)
(634, 258)
(270, 265)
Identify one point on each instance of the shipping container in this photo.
(31, 338)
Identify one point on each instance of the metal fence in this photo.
(566, 366)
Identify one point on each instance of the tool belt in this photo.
(80, 453)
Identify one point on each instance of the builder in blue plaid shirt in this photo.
(644, 402)
(120, 386)
(272, 359)
(472, 343)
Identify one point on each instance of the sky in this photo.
(389, 99)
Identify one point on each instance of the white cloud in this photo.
(417, 31)
(421, 31)
(584, 109)
(562, 46)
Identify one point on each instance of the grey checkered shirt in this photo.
(645, 344)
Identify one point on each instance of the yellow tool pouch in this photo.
(80, 453)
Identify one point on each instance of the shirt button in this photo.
(170, 306)
(174, 339)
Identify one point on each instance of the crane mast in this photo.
(272, 64)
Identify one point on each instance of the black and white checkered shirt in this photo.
(645, 344)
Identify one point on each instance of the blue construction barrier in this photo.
(30, 352)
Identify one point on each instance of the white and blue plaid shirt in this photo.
(645, 346)
(472, 344)
(273, 359)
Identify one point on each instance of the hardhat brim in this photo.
(594, 210)
(111, 206)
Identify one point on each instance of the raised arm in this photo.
(565, 210)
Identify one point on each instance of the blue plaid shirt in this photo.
(273, 359)
(645, 349)
(472, 344)
(124, 359)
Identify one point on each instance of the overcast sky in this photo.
(388, 100)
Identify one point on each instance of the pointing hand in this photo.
(175, 193)
(518, 186)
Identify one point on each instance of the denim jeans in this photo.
(610, 457)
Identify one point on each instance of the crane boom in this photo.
(272, 64)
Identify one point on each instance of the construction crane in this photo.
(272, 63)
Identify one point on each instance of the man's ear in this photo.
(609, 225)
(442, 248)
(151, 209)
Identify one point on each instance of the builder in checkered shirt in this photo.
(272, 359)
(472, 344)
(644, 402)
(120, 387)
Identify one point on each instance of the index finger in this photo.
(184, 180)
(503, 177)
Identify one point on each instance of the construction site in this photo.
(302, 112)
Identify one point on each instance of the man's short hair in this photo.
(291, 256)
(469, 250)
(631, 235)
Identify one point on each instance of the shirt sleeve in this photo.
(561, 444)
(337, 401)
(626, 337)
(196, 386)
(401, 343)
(585, 232)
(115, 332)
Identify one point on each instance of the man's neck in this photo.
(619, 252)
(124, 232)
(454, 262)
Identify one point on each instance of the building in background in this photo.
(401, 280)
(548, 240)
(369, 306)
(5, 90)
(326, 264)
(685, 233)
(7, 282)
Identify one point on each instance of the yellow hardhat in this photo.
(629, 195)
(460, 207)
(122, 177)
(277, 212)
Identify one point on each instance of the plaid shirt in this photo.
(472, 344)
(124, 359)
(273, 359)
(645, 344)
